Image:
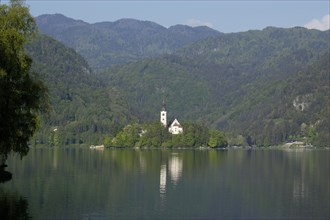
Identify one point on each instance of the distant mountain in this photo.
(261, 87)
(291, 108)
(243, 83)
(107, 43)
(83, 109)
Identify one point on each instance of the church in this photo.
(175, 127)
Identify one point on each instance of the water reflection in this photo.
(162, 184)
(173, 165)
(175, 168)
(299, 186)
(300, 191)
(13, 206)
(55, 158)
(143, 163)
(169, 184)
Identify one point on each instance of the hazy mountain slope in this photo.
(273, 50)
(292, 108)
(83, 109)
(107, 43)
(269, 86)
(221, 81)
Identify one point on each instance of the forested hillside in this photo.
(296, 108)
(260, 87)
(106, 43)
(230, 82)
(82, 108)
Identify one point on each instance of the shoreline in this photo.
(282, 146)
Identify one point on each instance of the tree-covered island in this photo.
(154, 134)
(167, 134)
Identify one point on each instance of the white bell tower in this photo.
(163, 115)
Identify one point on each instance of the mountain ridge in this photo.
(248, 84)
(104, 44)
(217, 81)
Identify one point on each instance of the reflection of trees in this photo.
(285, 181)
(66, 180)
(13, 206)
(120, 181)
(4, 175)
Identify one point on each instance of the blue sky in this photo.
(224, 16)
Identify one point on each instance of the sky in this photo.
(223, 15)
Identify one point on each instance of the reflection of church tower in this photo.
(163, 115)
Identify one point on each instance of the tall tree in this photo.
(22, 94)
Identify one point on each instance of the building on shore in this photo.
(174, 127)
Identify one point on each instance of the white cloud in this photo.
(323, 24)
(195, 23)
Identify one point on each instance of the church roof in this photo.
(176, 123)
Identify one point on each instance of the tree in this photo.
(128, 137)
(217, 139)
(22, 94)
(154, 135)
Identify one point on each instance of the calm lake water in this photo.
(78, 183)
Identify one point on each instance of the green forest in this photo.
(153, 135)
(105, 44)
(261, 88)
(249, 92)
(22, 94)
(83, 109)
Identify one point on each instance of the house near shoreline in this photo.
(174, 127)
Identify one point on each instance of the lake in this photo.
(80, 183)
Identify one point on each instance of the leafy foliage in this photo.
(22, 94)
(243, 83)
(217, 139)
(299, 107)
(156, 135)
(261, 87)
(107, 43)
(83, 108)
